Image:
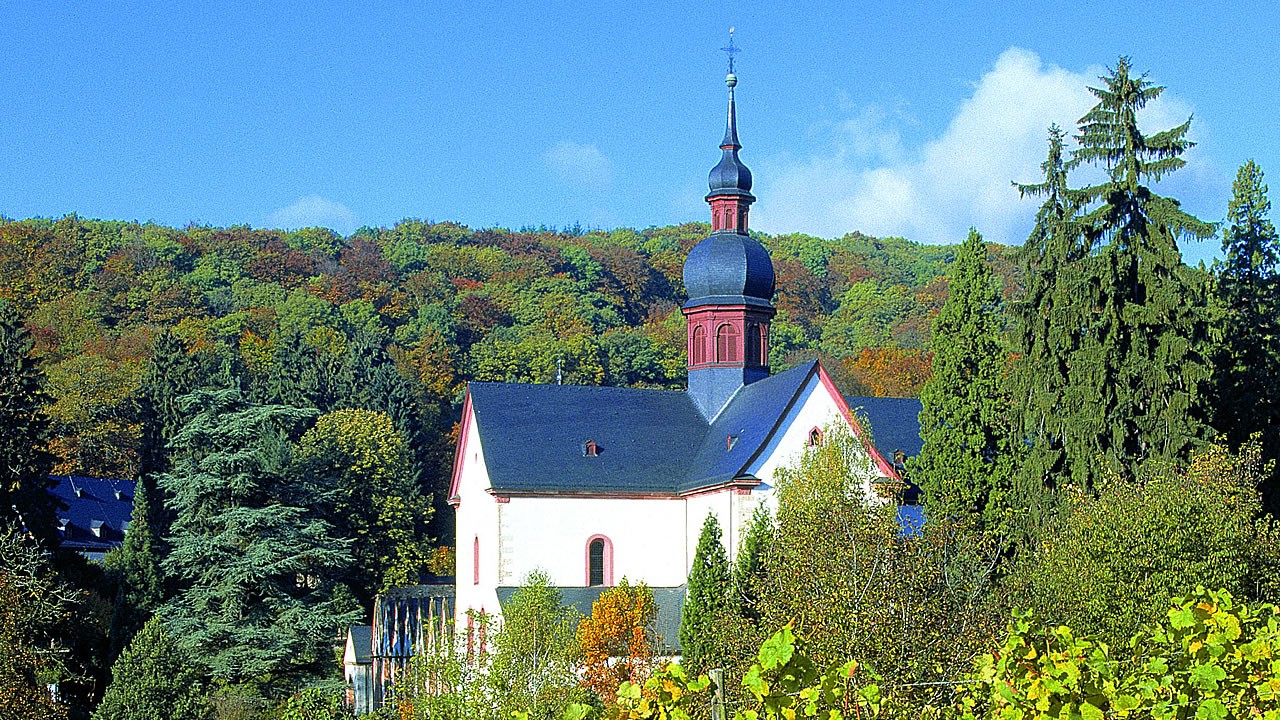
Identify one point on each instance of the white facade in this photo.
(650, 539)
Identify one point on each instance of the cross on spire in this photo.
(731, 50)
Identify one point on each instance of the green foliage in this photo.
(34, 604)
(966, 464)
(706, 619)
(363, 462)
(312, 704)
(749, 570)
(1209, 658)
(1246, 384)
(535, 655)
(914, 608)
(255, 565)
(1117, 560)
(24, 459)
(153, 679)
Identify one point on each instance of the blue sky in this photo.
(889, 118)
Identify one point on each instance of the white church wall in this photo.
(816, 407)
(477, 517)
(552, 534)
(732, 511)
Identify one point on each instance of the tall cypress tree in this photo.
(706, 601)
(964, 468)
(749, 567)
(1136, 381)
(1247, 367)
(255, 565)
(24, 432)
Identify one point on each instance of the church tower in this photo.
(730, 281)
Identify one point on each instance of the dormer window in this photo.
(815, 437)
(96, 528)
(62, 524)
(730, 441)
(590, 448)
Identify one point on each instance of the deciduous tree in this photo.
(617, 639)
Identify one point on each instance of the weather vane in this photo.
(730, 51)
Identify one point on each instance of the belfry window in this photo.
(727, 344)
(699, 349)
(752, 348)
(599, 561)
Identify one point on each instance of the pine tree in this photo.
(153, 679)
(139, 578)
(24, 461)
(254, 563)
(964, 467)
(1247, 367)
(1137, 379)
(706, 601)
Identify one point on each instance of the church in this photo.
(595, 484)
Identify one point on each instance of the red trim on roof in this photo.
(885, 468)
(459, 453)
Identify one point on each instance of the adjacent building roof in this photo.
(535, 437)
(670, 602)
(359, 645)
(894, 423)
(92, 513)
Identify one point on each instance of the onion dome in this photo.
(730, 176)
(729, 269)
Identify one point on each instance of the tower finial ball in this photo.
(731, 80)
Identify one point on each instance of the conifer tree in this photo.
(1247, 367)
(1139, 374)
(139, 577)
(1046, 321)
(964, 467)
(254, 563)
(24, 432)
(749, 567)
(706, 601)
(153, 679)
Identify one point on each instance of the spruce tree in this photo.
(1247, 367)
(253, 562)
(964, 467)
(706, 601)
(153, 679)
(1046, 319)
(1138, 377)
(24, 460)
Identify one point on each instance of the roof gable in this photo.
(745, 425)
(86, 504)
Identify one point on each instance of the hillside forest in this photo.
(1100, 421)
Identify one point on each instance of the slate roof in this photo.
(361, 639)
(895, 423)
(650, 441)
(670, 602)
(101, 503)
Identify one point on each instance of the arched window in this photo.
(699, 348)
(815, 437)
(475, 561)
(752, 347)
(599, 561)
(727, 344)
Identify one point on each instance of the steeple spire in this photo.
(730, 280)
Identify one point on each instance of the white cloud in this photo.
(868, 181)
(314, 211)
(577, 164)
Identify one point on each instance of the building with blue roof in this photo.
(594, 484)
(92, 513)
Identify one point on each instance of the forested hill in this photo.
(307, 317)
